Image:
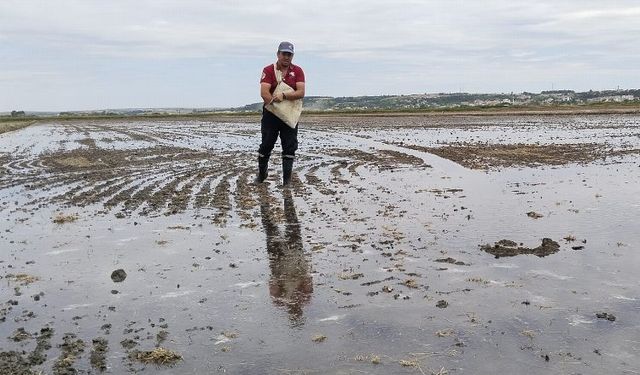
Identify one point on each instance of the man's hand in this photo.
(278, 98)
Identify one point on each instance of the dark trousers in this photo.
(271, 126)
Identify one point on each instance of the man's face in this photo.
(284, 59)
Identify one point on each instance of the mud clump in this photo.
(70, 350)
(128, 343)
(20, 335)
(118, 275)
(508, 248)
(98, 354)
(607, 316)
(451, 261)
(43, 343)
(534, 215)
(13, 363)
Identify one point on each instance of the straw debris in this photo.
(158, 356)
(411, 283)
(408, 363)
(528, 333)
(445, 333)
(319, 338)
(62, 218)
(22, 278)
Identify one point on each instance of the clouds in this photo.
(422, 45)
(204, 28)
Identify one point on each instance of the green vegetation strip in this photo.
(7, 126)
(632, 107)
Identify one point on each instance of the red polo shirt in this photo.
(293, 75)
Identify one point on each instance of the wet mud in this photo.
(99, 352)
(70, 349)
(484, 156)
(13, 363)
(401, 247)
(508, 248)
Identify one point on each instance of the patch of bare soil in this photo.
(484, 156)
(508, 248)
(98, 159)
(77, 162)
(384, 159)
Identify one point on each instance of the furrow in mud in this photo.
(316, 182)
(98, 194)
(243, 193)
(125, 193)
(337, 174)
(159, 199)
(87, 186)
(141, 195)
(221, 200)
(181, 197)
(244, 197)
(129, 133)
(204, 196)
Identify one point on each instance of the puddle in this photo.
(372, 263)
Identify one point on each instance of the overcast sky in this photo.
(73, 55)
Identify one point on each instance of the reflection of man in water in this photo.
(291, 284)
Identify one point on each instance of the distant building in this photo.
(612, 99)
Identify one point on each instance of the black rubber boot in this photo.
(287, 167)
(263, 169)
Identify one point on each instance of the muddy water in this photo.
(372, 263)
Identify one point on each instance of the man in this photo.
(271, 125)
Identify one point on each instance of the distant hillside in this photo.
(456, 100)
(413, 102)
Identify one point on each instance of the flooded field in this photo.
(417, 245)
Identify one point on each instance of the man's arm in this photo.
(267, 97)
(265, 94)
(298, 94)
